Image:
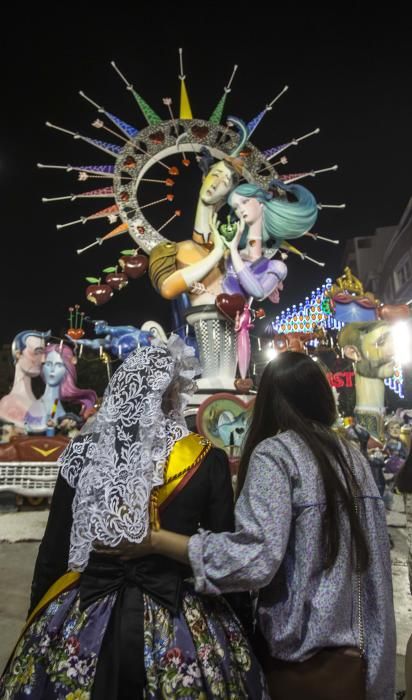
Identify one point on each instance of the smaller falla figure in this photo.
(60, 375)
(394, 447)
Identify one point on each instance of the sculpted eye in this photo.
(382, 340)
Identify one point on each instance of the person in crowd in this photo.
(310, 535)
(104, 627)
(404, 485)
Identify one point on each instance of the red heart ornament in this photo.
(200, 132)
(158, 137)
(230, 304)
(75, 333)
(129, 162)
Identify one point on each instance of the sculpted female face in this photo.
(247, 208)
(53, 369)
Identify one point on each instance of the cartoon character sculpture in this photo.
(394, 448)
(120, 341)
(349, 302)
(370, 346)
(59, 374)
(28, 353)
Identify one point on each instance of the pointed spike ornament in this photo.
(91, 194)
(148, 113)
(254, 123)
(272, 152)
(185, 108)
(110, 148)
(216, 115)
(127, 129)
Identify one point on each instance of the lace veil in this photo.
(115, 464)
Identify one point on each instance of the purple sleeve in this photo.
(249, 557)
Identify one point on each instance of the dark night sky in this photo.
(351, 77)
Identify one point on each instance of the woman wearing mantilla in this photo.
(105, 627)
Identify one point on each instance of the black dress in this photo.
(135, 629)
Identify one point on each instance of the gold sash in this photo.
(183, 462)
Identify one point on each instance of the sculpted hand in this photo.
(215, 237)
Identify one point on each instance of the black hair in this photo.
(294, 394)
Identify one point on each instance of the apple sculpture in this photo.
(132, 264)
(115, 279)
(228, 230)
(98, 293)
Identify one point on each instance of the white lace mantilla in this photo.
(115, 466)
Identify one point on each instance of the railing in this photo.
(31, 479)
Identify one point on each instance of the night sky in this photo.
(347, 75)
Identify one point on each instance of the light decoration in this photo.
(316, 311)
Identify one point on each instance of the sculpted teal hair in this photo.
(282, 219)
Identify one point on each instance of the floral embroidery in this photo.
(199, 654)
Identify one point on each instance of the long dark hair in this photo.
(294, 394)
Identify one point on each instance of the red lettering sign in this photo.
(340, 379)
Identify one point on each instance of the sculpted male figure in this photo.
(28, 355)
(370, 346)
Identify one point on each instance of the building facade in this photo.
(383, 261)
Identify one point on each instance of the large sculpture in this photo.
(28, 353)
(209, 261)
(370, 346)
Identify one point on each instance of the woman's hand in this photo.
(126, 549)
(234, 243)
(168, 544)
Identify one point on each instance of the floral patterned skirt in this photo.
(200, 653)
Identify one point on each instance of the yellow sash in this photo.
(184, 459)
(186, 455)
(63, 583)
